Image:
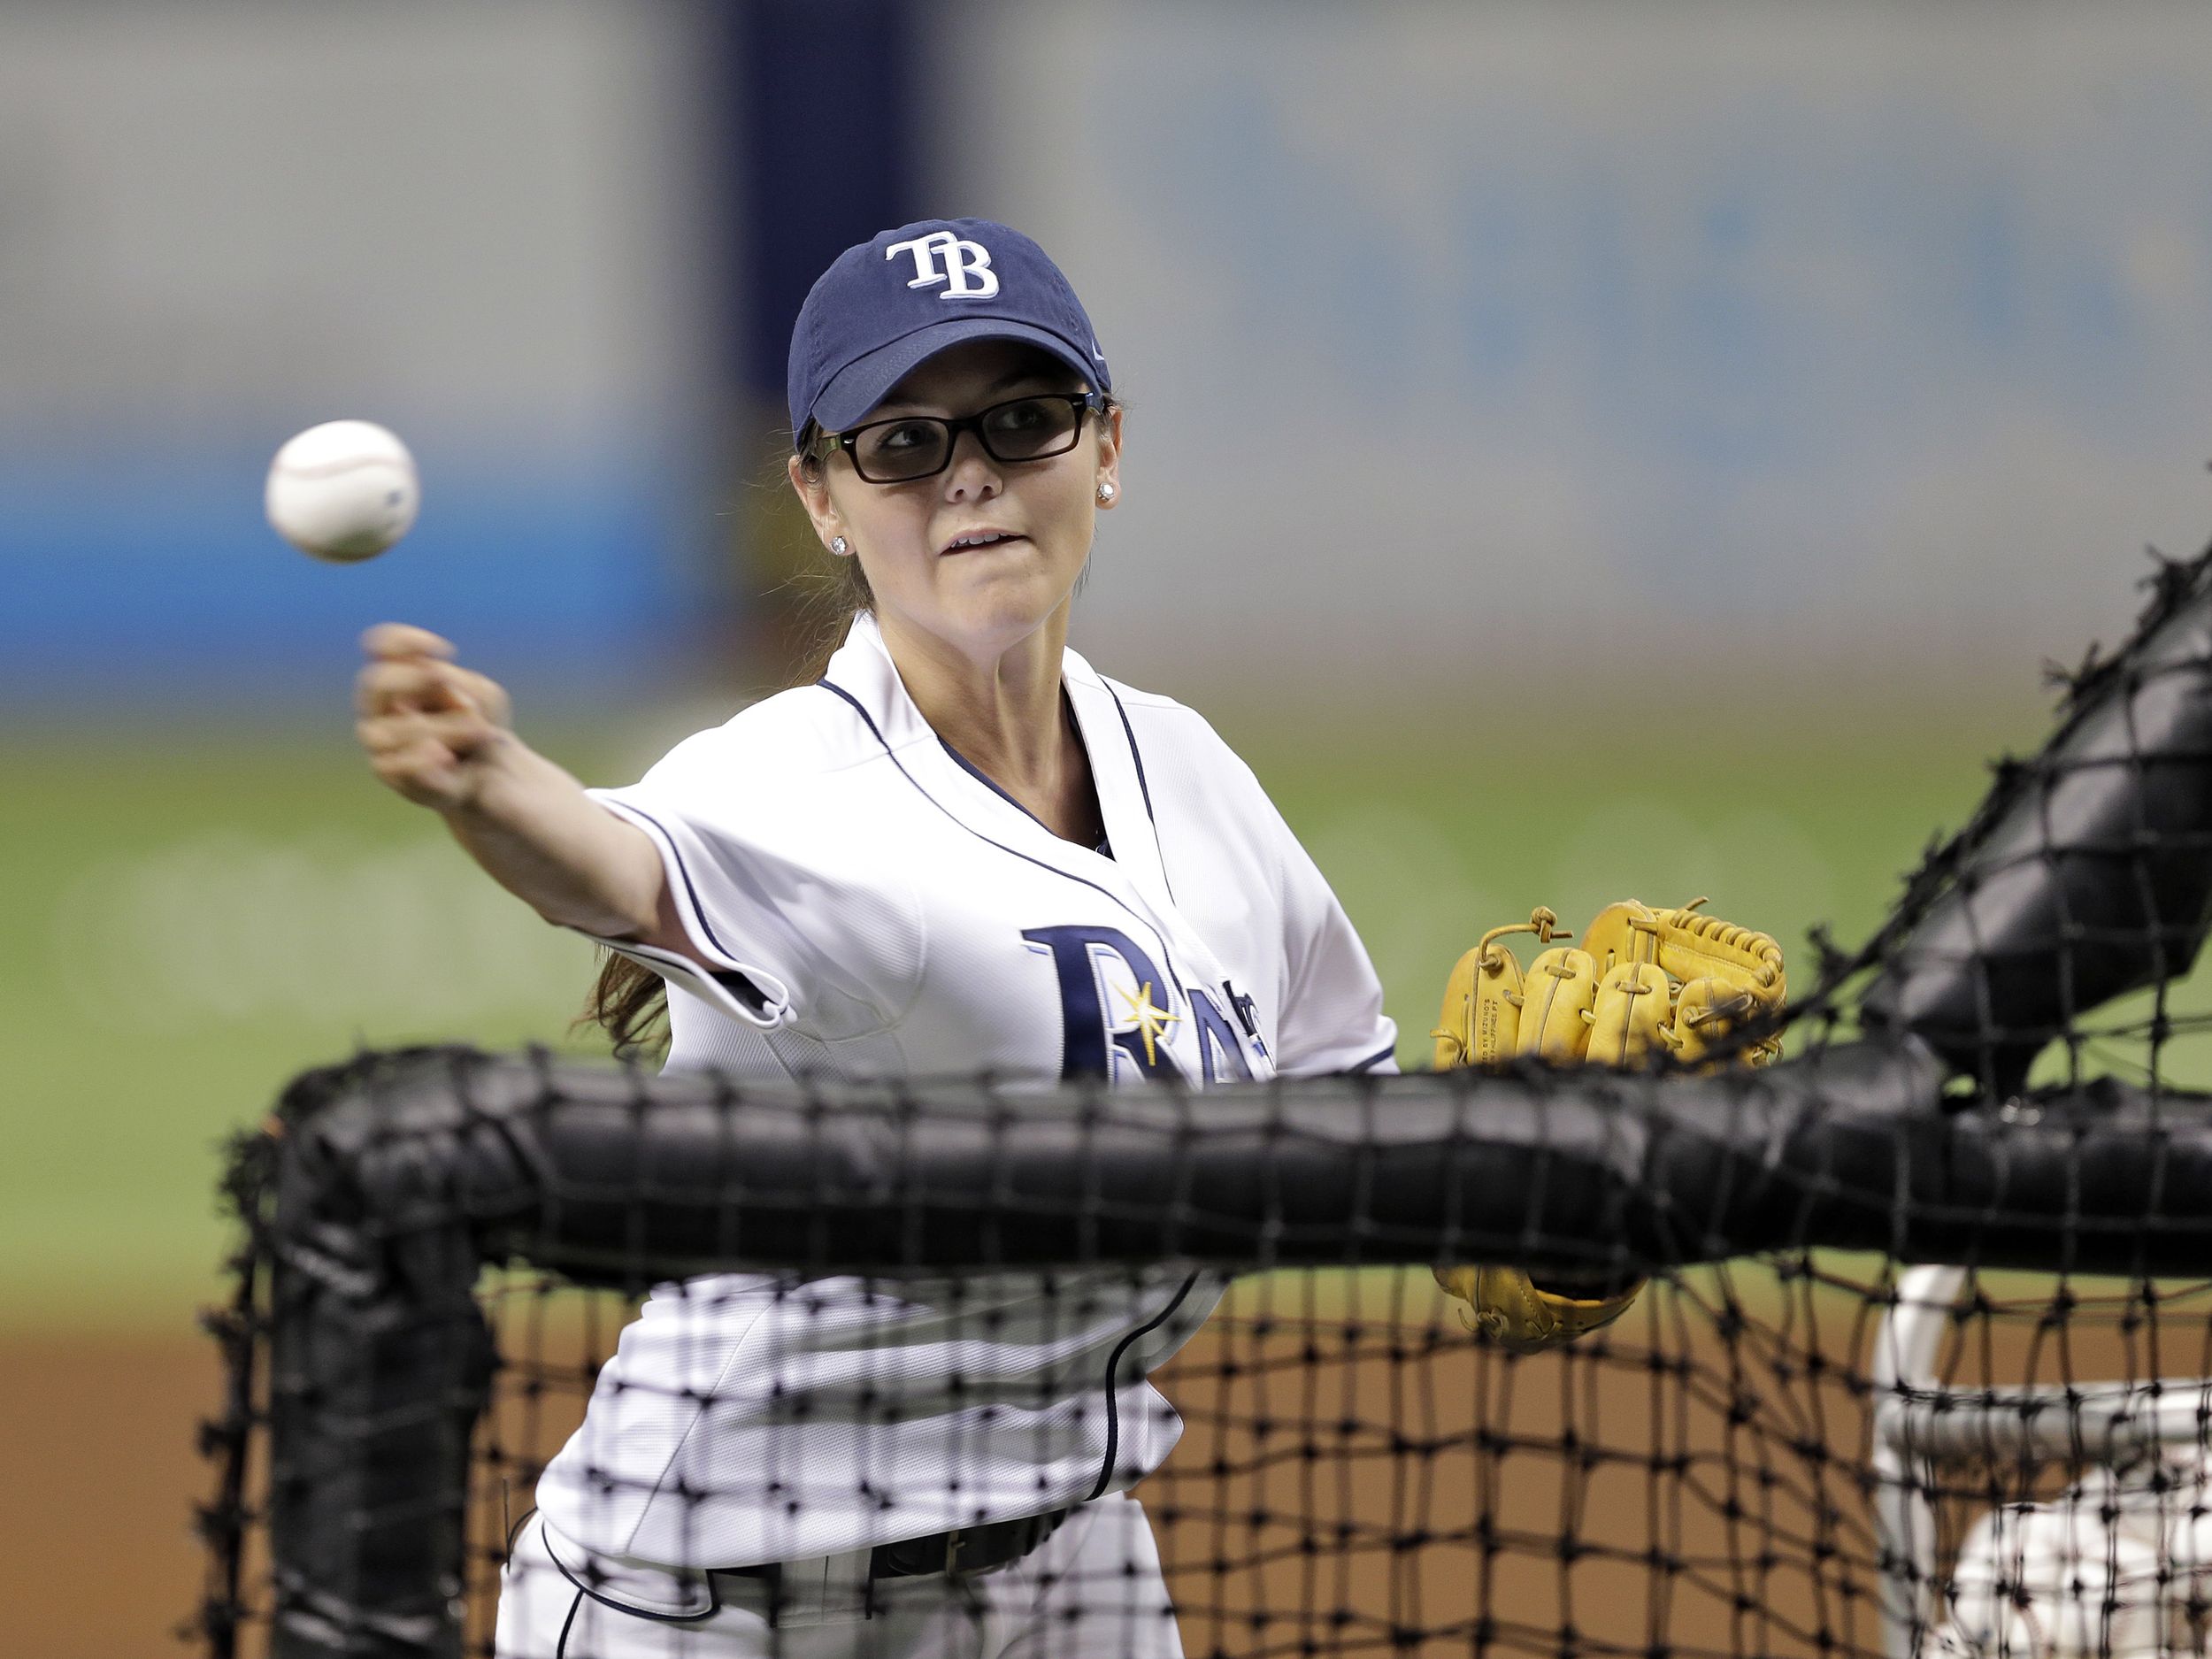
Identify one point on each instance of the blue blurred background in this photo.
(1540, 415)
(1881, 328)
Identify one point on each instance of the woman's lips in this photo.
(959, 544)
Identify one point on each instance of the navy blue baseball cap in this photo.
(886, 305)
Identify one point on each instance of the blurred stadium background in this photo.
(1574, 449)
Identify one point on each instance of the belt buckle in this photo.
(952, 1550)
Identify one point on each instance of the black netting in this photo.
(1917, 1368)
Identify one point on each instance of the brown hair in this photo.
(628, 1001)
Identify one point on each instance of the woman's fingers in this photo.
(429, 725)
(384, 688)
(460, 731)
(489, 696)
(424, 772)
(403, 639)
(432, 759)
(435, 759)
(409, 668)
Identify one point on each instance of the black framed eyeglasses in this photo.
(900, 451)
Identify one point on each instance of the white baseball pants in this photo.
(1093, 1590)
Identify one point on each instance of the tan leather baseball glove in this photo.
(1645, 981)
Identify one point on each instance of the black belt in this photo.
(964, 1549)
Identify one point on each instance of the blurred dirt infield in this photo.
(101, 1472)
(1356, 1479)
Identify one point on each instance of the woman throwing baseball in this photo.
(961, 850)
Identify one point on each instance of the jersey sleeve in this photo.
(731, 978)
(1332, 1018)
(749, 869)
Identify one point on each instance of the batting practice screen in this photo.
(531, 1356)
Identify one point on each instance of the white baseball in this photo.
(344, 491)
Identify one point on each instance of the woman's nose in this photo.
(973, 474)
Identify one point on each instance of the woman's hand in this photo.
(434, 731)
(439, 734)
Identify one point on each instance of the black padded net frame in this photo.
(1918, 1369)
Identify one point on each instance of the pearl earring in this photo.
(1105, 492)
(840, 546)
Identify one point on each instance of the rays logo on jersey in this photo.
(1119, 1014)
(966, 272)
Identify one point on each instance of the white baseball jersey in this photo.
(873, 905)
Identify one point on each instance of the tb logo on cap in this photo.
(966, 272)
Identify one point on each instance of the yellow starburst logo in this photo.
(1152, 1021)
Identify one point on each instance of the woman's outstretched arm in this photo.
(442, 735)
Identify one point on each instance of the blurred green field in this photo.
(201, 914)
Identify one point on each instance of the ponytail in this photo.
(629, 1001)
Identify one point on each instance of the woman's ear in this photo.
(1107, 484)
(811, 483)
